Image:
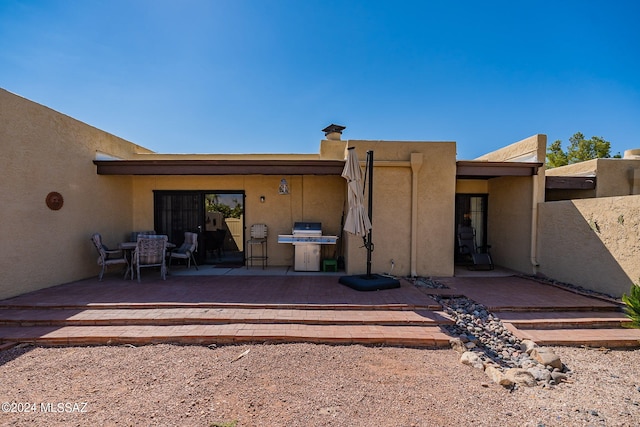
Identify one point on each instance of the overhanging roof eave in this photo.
(570, 182)
(219, 167)
(470, 169)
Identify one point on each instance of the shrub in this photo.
(632, 310)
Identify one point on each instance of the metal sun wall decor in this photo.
(54, 201)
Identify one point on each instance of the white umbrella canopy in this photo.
(357, 221)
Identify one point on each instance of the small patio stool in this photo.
(329, 263)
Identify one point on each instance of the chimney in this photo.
(333, 132)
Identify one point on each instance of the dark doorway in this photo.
(217, 217)
(471, 208)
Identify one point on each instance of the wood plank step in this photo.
(420, 336)
(564, 319)
(174, 316)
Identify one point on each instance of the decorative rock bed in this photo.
(485, 343)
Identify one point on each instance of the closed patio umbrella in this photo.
(357, 221)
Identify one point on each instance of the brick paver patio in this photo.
(206, 309)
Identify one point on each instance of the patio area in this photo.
(223, 306)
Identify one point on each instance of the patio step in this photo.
(228, 333)
(572, 328)
(596, 337)
(165, 305)
(219, 315)
(222, 325)
(564, 319)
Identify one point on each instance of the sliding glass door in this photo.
(217, 217)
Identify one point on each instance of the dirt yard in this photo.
(302, 385)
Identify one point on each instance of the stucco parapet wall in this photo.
(586, 168)
(399, 153)
(615, 177)
(23, 114)
(531, 149)
(591, 167)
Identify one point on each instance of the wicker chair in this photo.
(151, 252)
(108, 257)
(135, 234)
(187, 250)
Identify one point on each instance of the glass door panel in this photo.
(177, 212)
(224, 228)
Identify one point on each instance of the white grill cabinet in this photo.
(306, 239)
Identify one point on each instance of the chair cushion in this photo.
(182, 249)
(114, 261)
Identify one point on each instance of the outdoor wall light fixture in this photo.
(262, 199)
(284, 187)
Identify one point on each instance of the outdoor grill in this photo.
(306, 238)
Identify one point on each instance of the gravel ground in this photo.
(303, 385)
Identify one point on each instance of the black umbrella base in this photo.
(373, 282)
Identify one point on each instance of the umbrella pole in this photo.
(369, 244)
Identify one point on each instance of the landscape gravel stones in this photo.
(485, 343)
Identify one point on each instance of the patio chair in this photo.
(108, 257)
(151, 251)
(186, 251)
(479, 256)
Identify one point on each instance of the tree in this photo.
(579, 150)
(555, 156)
(213, 204)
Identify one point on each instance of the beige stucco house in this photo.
(421, 193)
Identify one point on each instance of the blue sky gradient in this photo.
(265, 76)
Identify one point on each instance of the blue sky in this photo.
(266, 76)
